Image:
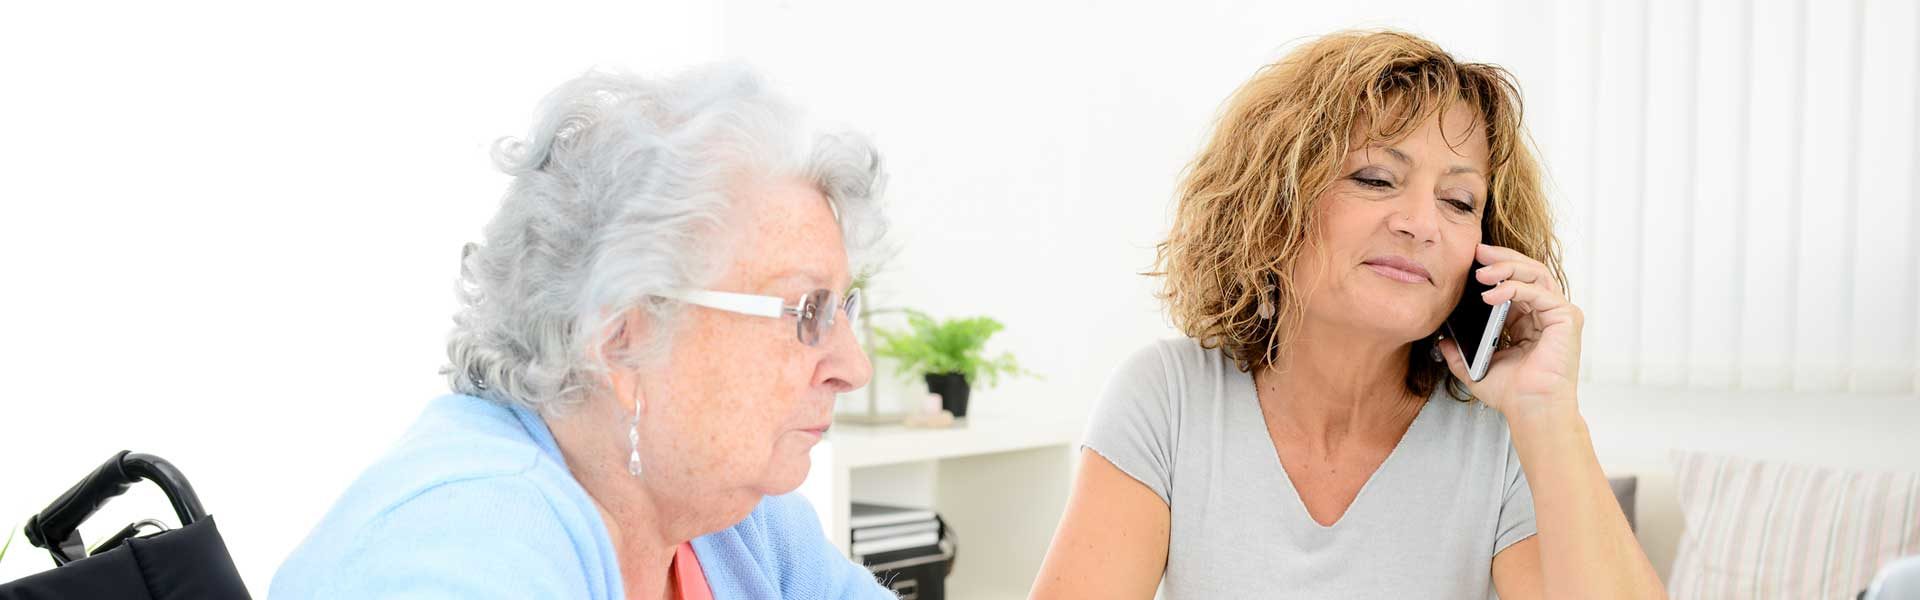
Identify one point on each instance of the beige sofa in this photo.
(1635, 430)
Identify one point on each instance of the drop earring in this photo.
(1435, 350)
(633, 439)
(1265, 310)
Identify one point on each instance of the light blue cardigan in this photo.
(476, 502)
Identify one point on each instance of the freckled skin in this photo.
(725, 415)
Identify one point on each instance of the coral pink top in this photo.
(686, 571)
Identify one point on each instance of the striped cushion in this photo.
(1776, 530)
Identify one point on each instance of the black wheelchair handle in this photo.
(55, 527)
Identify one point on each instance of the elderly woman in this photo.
(1313, 437)
(649, 343)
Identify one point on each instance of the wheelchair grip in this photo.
(56, 527)
(57, 523)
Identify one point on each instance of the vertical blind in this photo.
(1738, 183)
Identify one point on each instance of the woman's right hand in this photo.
(1539, 369)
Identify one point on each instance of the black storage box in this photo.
(916, 573)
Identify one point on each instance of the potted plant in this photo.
(950, 354)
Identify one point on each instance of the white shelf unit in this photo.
(999, 481)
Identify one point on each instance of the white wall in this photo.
(229, 234)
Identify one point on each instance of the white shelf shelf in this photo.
(1000, 482)
(857, 446)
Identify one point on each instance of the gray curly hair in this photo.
(615, 191)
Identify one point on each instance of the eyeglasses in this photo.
(816, 309)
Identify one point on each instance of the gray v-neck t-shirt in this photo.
(1186, 423)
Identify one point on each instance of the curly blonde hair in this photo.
(1247, 202)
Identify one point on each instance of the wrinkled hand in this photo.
(1538, 365)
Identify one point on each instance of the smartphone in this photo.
(1475, 326)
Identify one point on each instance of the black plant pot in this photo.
(953, 391)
